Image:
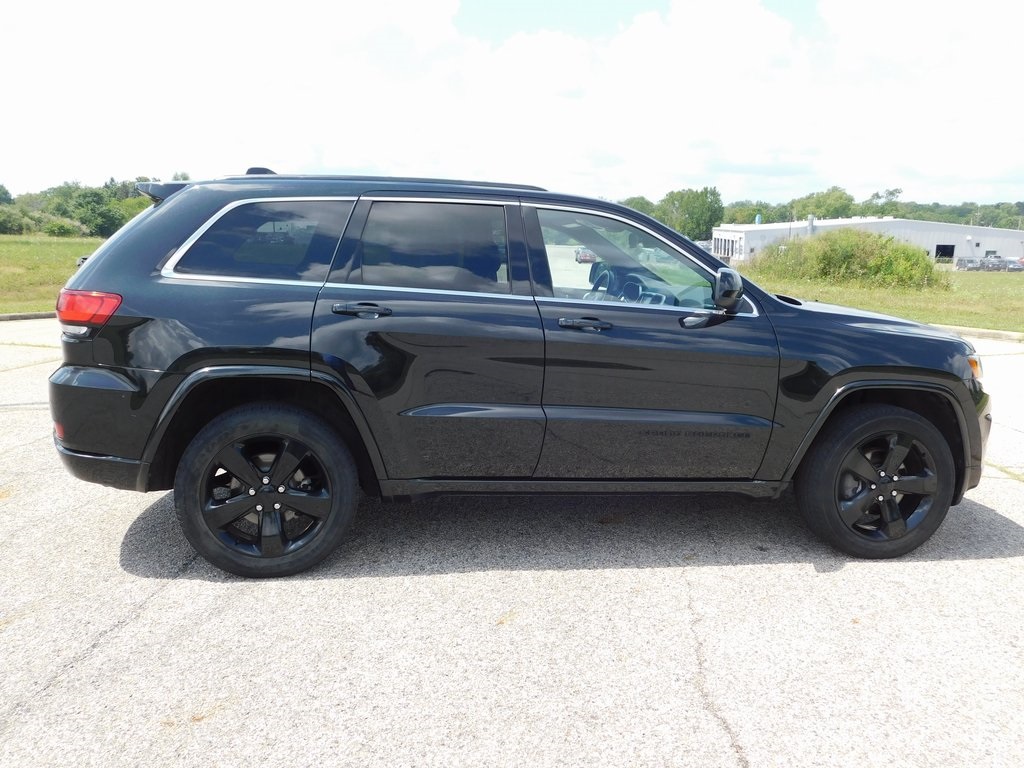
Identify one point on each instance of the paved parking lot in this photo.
(582, 631)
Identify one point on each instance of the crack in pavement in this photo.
(31, 365)
(701, 684)
(8, 716)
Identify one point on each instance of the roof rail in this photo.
(257, 171)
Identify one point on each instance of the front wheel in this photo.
(877, 482)
(265, 490)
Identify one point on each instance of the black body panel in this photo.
(650, 398)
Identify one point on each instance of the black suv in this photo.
(269, 345)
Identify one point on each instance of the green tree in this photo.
(833, 203)
(639, 203)
(693, 212)
(31, 201)
(13, 221)
(882, 203)
(132, 206)
(180, 176)
(745, 212)
(5, 196)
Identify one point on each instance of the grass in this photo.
(33, 269)
(974, 300)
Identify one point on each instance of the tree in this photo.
(880, 204)
(13, 221)
(833, 203)
(5, 196)
(692, 212)
(746, 212)
(639, 203)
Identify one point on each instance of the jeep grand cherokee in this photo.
(268, 346)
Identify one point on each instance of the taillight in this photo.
(78, 311)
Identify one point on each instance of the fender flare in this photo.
(216, 372)
(877, 384)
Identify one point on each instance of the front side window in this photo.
(601, 259)
(439, 246)
(284, 240)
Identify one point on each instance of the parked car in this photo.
(993, 264)
(1014, 266)
(410, 338)
(585, 256)
(968, 265)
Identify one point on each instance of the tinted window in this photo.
(292, 240)
(442, 246)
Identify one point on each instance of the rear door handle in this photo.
(367, 310)
(584, 323)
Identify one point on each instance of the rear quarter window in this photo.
(283, 240)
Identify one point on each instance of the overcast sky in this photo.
(763, 99)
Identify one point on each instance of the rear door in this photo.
(429, 320)
(643, 380)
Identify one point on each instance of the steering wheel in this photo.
(600, 289)
(631, 292)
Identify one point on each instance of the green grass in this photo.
(33, 269)
(974, 300)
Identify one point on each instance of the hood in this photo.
(874, 321)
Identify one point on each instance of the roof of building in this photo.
(783, 226)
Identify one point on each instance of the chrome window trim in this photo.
(433, 291)
(458, 200)
(659, 307)
(168, 268)
(315, 284)
(754, 312)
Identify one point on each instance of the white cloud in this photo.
(915, 95)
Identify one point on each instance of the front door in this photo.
(642, 379)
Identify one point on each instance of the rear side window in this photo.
(439, 246)
(283, 240)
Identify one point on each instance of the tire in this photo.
(877, 482)
(265, 490)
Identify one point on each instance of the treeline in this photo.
(837, 203)
(696, 212)
(74, 210)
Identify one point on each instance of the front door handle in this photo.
(701, 318)
(584, 323)
(367, 310)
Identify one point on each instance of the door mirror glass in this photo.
(728, 289)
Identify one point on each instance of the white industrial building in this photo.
(943, 242)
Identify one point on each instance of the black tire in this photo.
(265, 490)
(846, 489)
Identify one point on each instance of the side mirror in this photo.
(728, 289)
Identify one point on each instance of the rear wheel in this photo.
(265, 490)
(877, 482)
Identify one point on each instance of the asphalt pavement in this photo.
(643, 631)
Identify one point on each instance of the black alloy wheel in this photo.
(886, 486)
(877, 482)
(265, 490)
